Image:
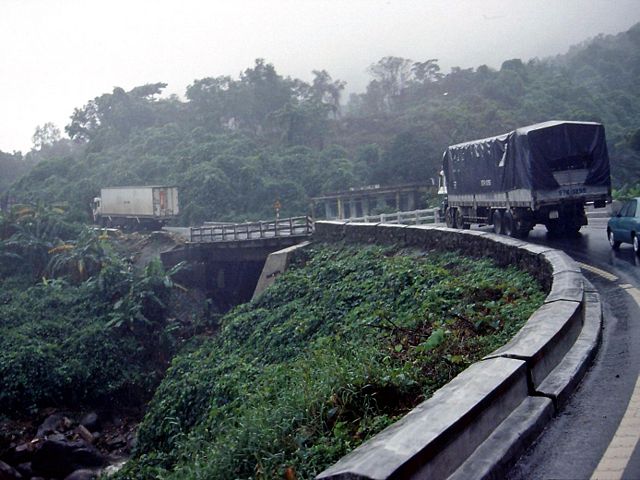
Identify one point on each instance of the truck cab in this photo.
(96, 209)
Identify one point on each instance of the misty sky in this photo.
(58, 54)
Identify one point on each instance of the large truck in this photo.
(540, 174)
(135, 207)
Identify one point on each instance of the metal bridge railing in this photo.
(226, 232)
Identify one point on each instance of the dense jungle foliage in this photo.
(79, 325)
(343, 344)
(234, 145)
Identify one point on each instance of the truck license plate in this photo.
(553, 214)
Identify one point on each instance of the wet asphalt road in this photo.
(573, 444)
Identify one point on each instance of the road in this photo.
(596, 434)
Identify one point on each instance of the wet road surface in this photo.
(596, 433)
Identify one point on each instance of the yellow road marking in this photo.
(609, 276)
(635, 293)
(615, 459)
(624, 442)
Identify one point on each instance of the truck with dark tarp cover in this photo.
(540, 174)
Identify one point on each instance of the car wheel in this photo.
(636, 244)
(612, 241)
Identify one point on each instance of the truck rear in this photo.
(540, 174)
(145, 206)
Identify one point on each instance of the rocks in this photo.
(8, 473)
(83, 474)
(25, 469)
(21, 453)
(91, 421)
(50, 425)
(116, 442)
(57, 458)
(65, 448)
(84, 433)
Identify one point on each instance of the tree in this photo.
(327, 91)
(303, 124)
(45, 135)
(29, 233)
(209, 101)
(392, 75)
(427, 71)
(259, 93)
(113, 116)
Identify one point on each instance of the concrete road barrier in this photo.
(478, 424)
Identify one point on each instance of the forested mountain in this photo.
(234, 145)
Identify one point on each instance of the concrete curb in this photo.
(478, 424)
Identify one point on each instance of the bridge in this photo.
(227, 259)
(295, 227)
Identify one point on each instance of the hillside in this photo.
(236, 144)
(342, 345)
(345, 342)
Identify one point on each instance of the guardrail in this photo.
(414, 217)
(227, 232)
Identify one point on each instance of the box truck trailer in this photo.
(135, 207)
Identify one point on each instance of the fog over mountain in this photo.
(56, 55)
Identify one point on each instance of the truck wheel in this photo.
(554, 228)
(572, 226)
(507, 224)
(572, 230)
(459, 218)
(521, 228)
(496, 221)
(448, 218)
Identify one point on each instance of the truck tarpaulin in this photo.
(527, 158)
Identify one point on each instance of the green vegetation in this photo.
(236, 144)
(343, 344)
(78, 324)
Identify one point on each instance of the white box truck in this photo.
(135, 207)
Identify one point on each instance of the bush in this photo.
(102, 340)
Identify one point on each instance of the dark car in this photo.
(624, 227)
